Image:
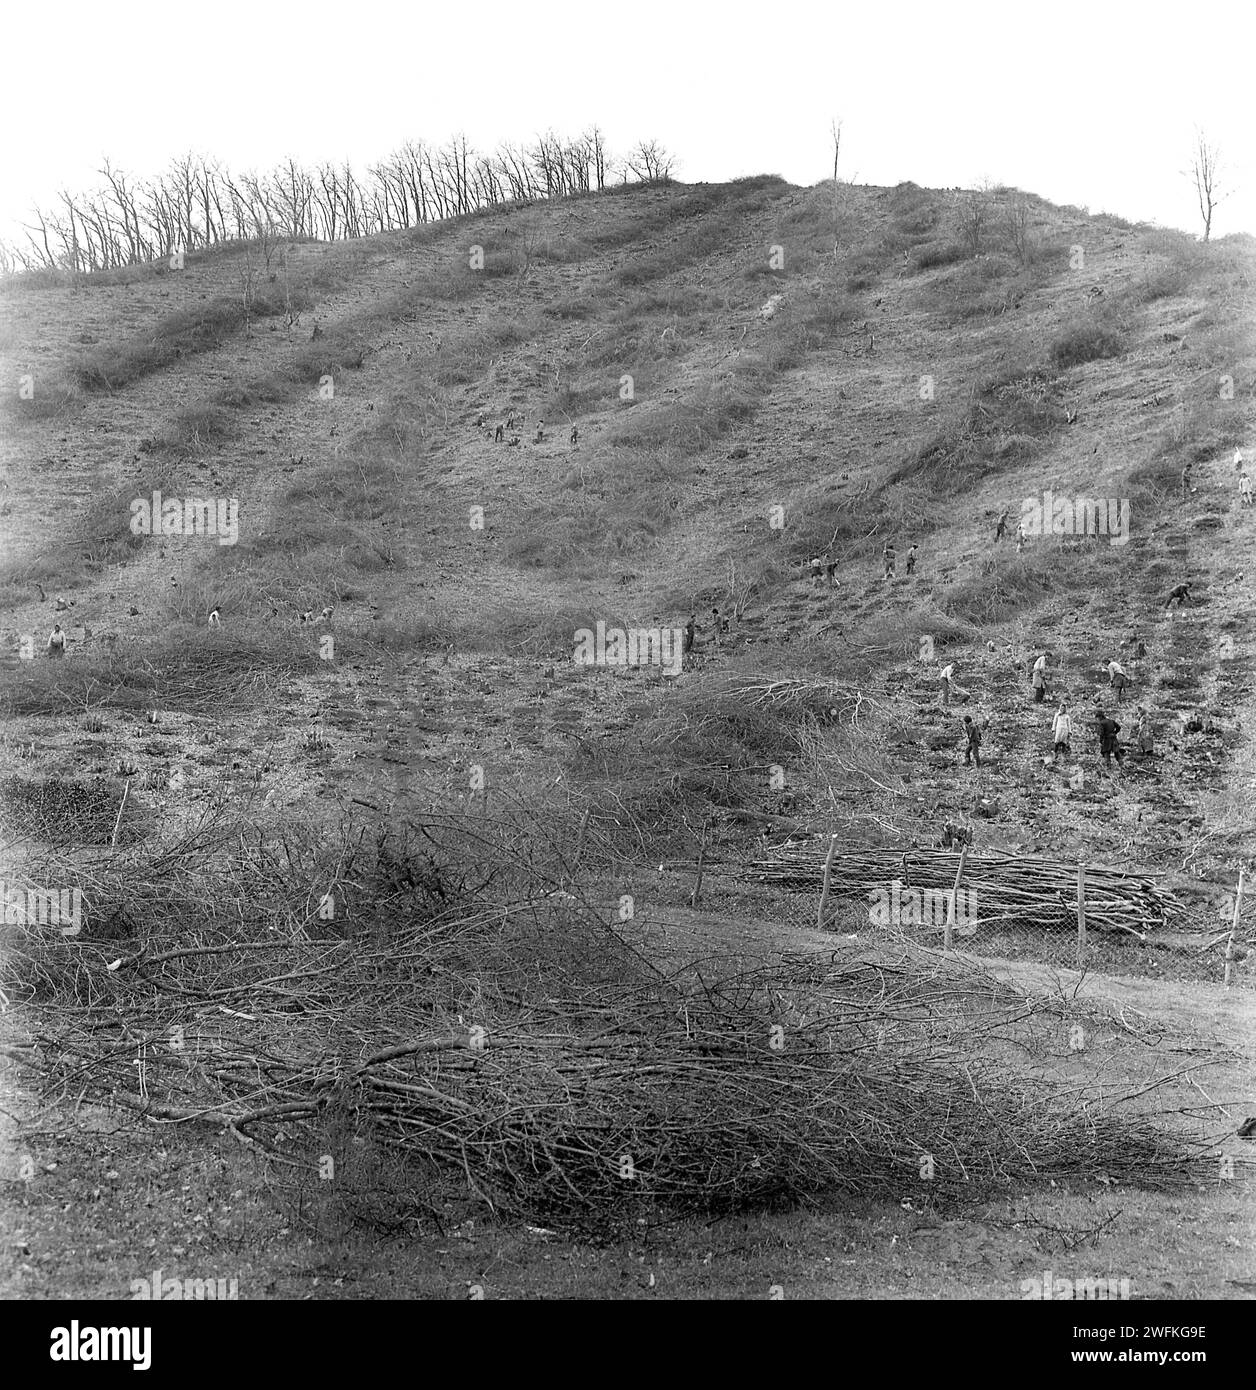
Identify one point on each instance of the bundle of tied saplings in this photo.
(1000, 889)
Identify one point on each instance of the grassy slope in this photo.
(364, 499)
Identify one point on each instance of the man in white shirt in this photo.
(1117, 678)
(950, 686)
(1039, 679)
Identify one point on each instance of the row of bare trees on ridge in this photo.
(199, 203)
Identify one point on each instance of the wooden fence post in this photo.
(948, 934)
(117, 825)
(697, 887)
(828, 869)
(1081, 916)
(1234, 926)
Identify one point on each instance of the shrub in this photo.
(982, 285)
(1164, 282)
(938, 253)
(500, 263)
(975, 219)
(1086, 340)
(196, 427)
(343, 348)
(827, 317)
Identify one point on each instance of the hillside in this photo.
(357, 733)
(665, 506)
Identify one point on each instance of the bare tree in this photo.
(513, 165)
(294, 192)
(41, 252)
(1205, 165)
(1016, 227)
(974, 221)
(837, 145)
(409, 160)
(209, 184)
(545, 160)
(249, 274)
(197, 202)
(597, 148)
(73, 251)
(436, 182)
(649, 162)
(128, 214)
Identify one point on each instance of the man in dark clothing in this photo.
(690, 629)
(499, 434)
(1002, 528)
(1108, 730)
(911, 560)
(972, 749)
(1182, 593)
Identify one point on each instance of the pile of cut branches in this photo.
(824, 701)
(504, 1046)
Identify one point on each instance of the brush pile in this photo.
(511, 1051)
(722, 1091)
(1004, 890)
(202, 675)
(60, 810)
(824, 701)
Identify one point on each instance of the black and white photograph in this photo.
(627, 669)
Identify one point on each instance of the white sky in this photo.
(1093, 104)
